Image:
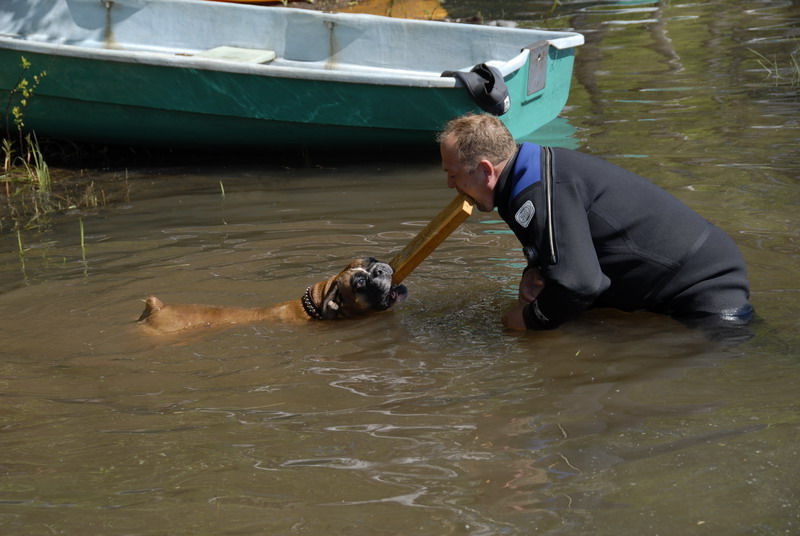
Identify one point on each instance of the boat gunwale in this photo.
(363, 75)
(566, 38)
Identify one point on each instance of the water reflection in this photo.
(428, 419)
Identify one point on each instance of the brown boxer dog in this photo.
(364, 286)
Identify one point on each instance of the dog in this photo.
(364, 286)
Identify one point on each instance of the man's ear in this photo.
(487, 168)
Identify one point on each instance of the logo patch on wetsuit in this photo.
(525, 213)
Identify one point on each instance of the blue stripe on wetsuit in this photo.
(528, 168)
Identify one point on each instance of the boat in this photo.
(255, 2)
(200, 74)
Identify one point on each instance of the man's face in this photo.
(474, 183)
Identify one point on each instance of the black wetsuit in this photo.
(608, 237)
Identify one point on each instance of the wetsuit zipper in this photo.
(548, 192)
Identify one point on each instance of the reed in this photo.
(83, 249)
(21, 250)
(8, 155)
(30, 191)
(38, 170)
(788, 75)
(83, 241)
(25, 172)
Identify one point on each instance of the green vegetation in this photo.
(19, 97)
(781, 76)
(27, 184)
(29, 193)
(25, 174)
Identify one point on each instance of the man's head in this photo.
(474, 149)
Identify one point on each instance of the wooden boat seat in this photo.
(239, 55)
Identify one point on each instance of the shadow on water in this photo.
(428, 419)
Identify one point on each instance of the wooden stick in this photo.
(431, 236)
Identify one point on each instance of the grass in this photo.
(27, 183)
(25, 175)
(30, 193)
(83, 241)
(21, 250)
(782, 76)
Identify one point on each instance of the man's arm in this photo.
(574, 283)
(530, 285)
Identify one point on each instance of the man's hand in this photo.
(512, 319)
(530, 285)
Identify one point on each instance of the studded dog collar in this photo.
(308, 306)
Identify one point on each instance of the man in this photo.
(594, 234)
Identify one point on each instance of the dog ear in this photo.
(331, 302)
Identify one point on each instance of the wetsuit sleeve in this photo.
(576, 280)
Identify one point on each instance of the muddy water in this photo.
(428, 419)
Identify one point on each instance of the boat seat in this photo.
(238, 54)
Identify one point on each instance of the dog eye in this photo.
(359, 282)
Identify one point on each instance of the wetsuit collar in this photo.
(503, 187)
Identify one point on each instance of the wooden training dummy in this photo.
(431, 236)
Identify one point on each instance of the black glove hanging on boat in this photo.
(486, 86)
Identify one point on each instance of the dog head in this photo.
(365, 285)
